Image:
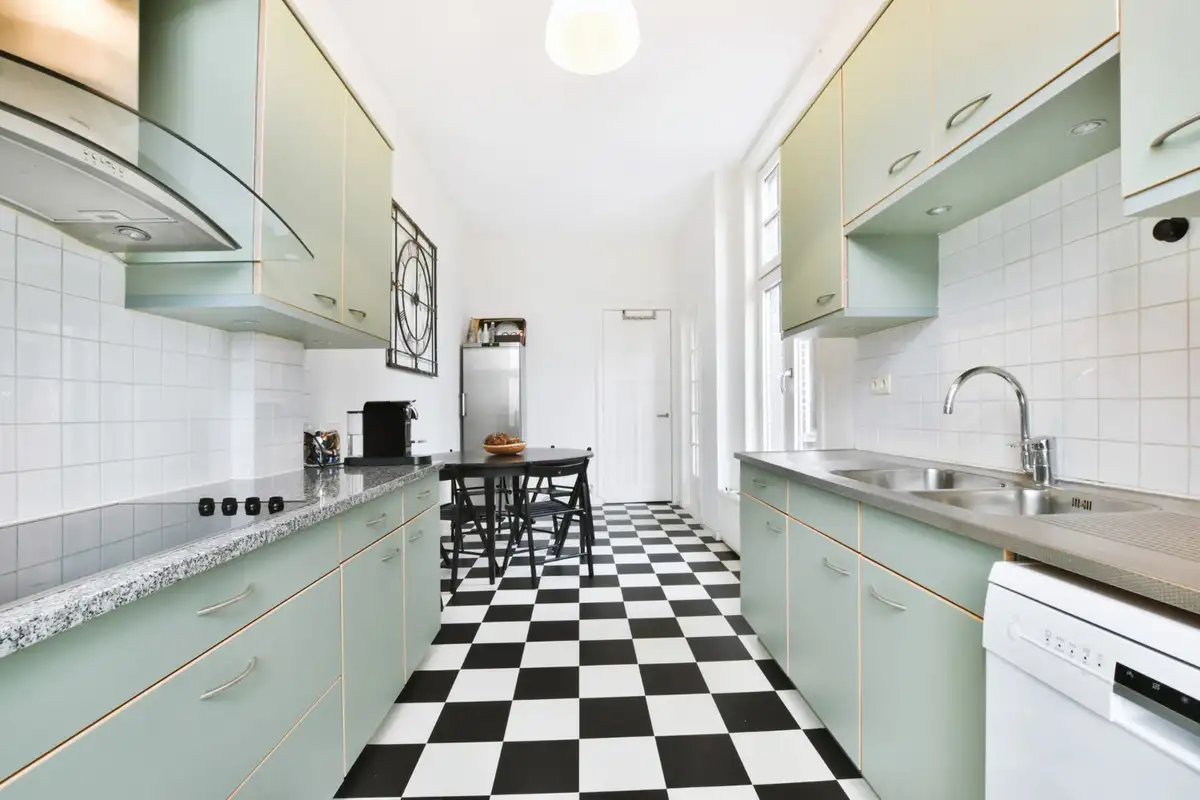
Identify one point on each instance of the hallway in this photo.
(644, 682)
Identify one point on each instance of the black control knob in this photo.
(275, 504)
(229, 506)
(208, 506)
(253, 506)
(1171, 230)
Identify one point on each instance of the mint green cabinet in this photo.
(422, 587)
(769, 487)
(202, 731)
(922, 692)
(307, 765)
(420, 496)
(372, 637)
(823, 631)
(831, 514)
(367, 257)
(368, 523)
(764, 575)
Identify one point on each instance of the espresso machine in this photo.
(387, 435)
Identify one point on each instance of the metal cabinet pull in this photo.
(967, 111)
(830, 565)
(664, 416)
(757, 482)
(1169, 132)
(204, 612)
(371, 523)
(886, 602)
(825, 298)
(423, 494)
(390, 555)
(901, 163)
(417, 535)
(244, 674)
(325, 298)
(357, 313)
(771, 527)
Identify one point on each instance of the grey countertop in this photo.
(317, 496)
(1153, 553)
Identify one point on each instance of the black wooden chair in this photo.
(575, 509)
(470, 510)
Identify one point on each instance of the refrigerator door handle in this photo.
(462, 404)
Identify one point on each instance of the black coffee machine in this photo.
(387, 435)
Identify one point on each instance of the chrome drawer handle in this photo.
(390, 555)
(245, 674)
(371, 523)
(757, 482)
(325, 298)
(967, 111)
(825, 298)
(886, 602)
(839, 570)
(771, 527)
(417, 535)
(204, 612)
(901, 163)
(357, 313)
(424, 494)
(1169, 132)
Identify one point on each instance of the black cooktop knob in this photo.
(275, 504)
(208, 506)
(253, 506)
(229, 506)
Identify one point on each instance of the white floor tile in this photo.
(478, 685)
(780, 757)
(729, 606)
(714, 578)
(754, 646)
(492, 632)
(670, 567)
(595, 629)
(408, 723)
(857, 789)
(713, 793)
(648, 609)
(550, 612)
(516, 597)
(638, 579)
(542, 720)
(455, 614)
(611, 680)
(685, 592)
(685, 715)
(804, 715)
(556, 582)
(617, 765)
(692, 558)
(727, 677)
(446, 770)
(662, 651)
(445, 656)
(550, 654)
(600, 594)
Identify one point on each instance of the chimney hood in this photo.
(95, 168)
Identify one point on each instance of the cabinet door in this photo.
(368, 232)
(823, 630)
(303, 159)
(990, 55)
(764, 575)
(372, 637)
(810, 168)
(922, 692)
(1159, 91)
(888, 93)
(422, 587)
(307, 765)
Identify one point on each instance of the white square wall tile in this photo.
(1164, 469)
(1046, 269)
(1079, 338)
(1045, 198)
(39, 446)
(80, 317)
(1118, 291)
(116, 325)
(8, 448)
(39, 355)
(80, 275)
(80, 401)
(1016, 244)
(1080, 418)
(1108, 169)
(80, 444)
(1164, 327)
(1080, 259)
(1165, 374)
(1110, 208)
(1119, 421)
(1080, 219)
(39, 493)
(1119, 464)
(39, 264)
(112, 282)
(1080, 459)
(38, 400)
(8, 304)
(1164, 281)
(1046, 232)
(38, 309)
(1119, 334)
(8, 351)
(8, 255)
(1118, 247)
(1079, 183)
(1119, 376)
(1079, 299)
(1164, 422)
(1014, 213)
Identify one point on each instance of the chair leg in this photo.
(532, 560)
(456, 547)
(514, 540)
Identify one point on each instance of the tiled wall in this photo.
(267, 406)
(1091, 313)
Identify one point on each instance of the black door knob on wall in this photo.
(1171, 230)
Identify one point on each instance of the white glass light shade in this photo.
(592, 37)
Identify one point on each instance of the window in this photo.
(694, 399)
(774, 425)
(769, 240)
(788, 419)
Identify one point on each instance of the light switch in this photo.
(881, 384)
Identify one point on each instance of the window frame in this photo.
(763, 218)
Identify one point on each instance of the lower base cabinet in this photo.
(422, 588)
(922, 692)
(307, 765)
(764, 575)
(823, 631)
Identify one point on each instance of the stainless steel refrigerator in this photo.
(493, 392)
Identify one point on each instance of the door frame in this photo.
(671, 366)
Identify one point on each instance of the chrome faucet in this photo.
(1037, 453)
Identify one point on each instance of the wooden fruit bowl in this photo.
(504, 449)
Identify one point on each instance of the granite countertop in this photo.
(1153, 553)
(323, 494)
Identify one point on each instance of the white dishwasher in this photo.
(1091, 693)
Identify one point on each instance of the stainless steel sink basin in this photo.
(916, 479)
(1032, 502)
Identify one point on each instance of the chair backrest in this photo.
(559, 469)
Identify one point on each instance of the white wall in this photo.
(561, 286)
(1091, 313)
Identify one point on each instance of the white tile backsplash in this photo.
(1096, 322)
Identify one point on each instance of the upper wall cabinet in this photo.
(367, 243)
(888, 133)
(990, 55)
(1160, 107)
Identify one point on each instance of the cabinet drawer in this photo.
(366, 524)
(130, 648)
(950, 565)
(420, 495)
(307, 765)
(766, 486)
(202, 731)
(831, 514)
(764, 575)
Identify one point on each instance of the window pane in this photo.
(770, 241)
(772, 367)
(769, 202)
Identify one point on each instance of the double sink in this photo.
(988, 495)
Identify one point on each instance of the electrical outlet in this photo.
(881, 384)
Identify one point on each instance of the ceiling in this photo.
(521, 145)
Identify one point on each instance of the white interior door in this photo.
(634, 458)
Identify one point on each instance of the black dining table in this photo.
(481, 461)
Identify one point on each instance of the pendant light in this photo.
(592, 37)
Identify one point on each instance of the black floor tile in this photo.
(754, 711)
(628, 550)
(817, 790)
(719, 648)
(557, 596)
(382, 770)
(721, 590)
(471, 722)
(678, 579)
(709, 760)
(547, 683)
(694, 608)
(472, 598)
(508, 613)
(614, 717)
(494, 655)
(635, 569)
(457, 633)
(607, 651)
(634, 594)
(428, 686)
(649, 794)
(739, 624)
(708, 566)
(537, 768)
(832, 753)
(672, 679)
(599, 581)
(774, 674)
(554, 631)
(517, 581)
(602, 611)
(558, 569)
(665, 558)
(655, 628)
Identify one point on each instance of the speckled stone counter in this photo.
(326, 493)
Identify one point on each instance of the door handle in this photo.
(967, 111)
(886, 602)
(371, 523)
(1161, 139)
(325, 298)
(825, 298)
(233, 682)
(773, 529)
(204, 612)
(390, 555)
(357, 313)
(901, 163)
(664, 416)
(416, 535)
(783, 378)
(839, 570)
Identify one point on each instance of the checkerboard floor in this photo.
(642, 682)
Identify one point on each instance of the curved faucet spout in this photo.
(1022, 402)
